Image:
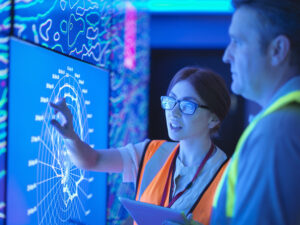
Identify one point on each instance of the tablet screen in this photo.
(149, 214)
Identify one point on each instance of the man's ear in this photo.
(279, 49)
(213, 122)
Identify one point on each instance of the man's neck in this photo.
(277, 86)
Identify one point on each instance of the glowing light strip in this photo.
(187, 6)
(130, 36)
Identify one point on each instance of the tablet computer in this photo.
(149, 214)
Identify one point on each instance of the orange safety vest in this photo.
(153, 172)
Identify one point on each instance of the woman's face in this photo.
(184, 127)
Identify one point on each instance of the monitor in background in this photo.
(43, 185)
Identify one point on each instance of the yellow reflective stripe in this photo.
(291, 97)
(233, 166)
(233, 169)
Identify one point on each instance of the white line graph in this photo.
(60, 187)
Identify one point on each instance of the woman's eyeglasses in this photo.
(185, 106)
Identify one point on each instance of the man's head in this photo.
(264, 51)
(277, 17)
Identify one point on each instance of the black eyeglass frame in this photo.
(196, 105)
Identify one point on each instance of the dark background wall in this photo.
(178, 40)
(164, 64)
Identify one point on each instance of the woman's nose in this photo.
(176, 110)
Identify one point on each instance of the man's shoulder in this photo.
(286, 119)
(278, 130)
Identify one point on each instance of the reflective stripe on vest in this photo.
(156, 156)
(231, 173)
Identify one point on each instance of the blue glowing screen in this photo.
(43, 185)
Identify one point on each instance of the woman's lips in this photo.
(175, 126)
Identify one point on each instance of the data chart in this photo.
(44, 186)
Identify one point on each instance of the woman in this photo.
(183, 174)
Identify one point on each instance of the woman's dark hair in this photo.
(277, 17)
(209, 86)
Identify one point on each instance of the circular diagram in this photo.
(61, 187)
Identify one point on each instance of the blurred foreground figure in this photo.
(262, 181)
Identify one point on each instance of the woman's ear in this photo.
(213, 121)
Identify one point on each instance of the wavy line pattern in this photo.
(128, 100)
(5, 25)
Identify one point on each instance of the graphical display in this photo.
(43, 185)
(77, 28)
(92, 31)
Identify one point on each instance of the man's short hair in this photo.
(277, 17)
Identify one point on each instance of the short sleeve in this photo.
(131, 156)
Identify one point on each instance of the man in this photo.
(262, 182)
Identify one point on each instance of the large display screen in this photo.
(43, 185)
